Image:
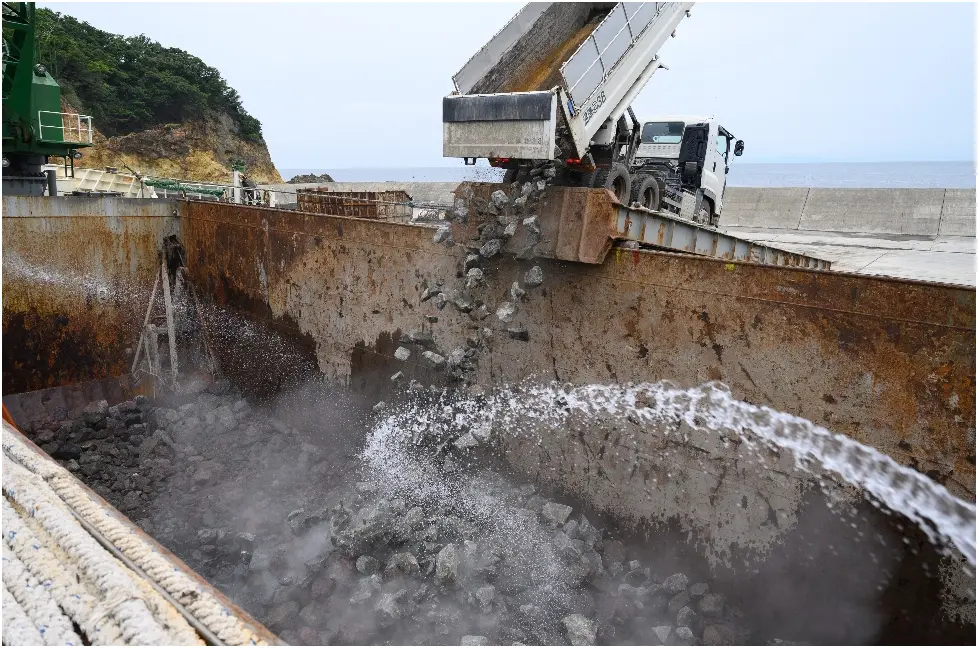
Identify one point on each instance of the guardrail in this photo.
(73, 127)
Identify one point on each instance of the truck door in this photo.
(717, 165)
(693, 154)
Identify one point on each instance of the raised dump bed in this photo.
(482, 503)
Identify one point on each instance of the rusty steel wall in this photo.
(76, 279)
(888, 362)
(355, 204)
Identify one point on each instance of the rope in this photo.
(201, 604)
(17, 628)
(111, 579)
(37, 603)
(66, 586)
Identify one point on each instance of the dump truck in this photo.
(557, 83)
(681, 166)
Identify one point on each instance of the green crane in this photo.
(34, 128)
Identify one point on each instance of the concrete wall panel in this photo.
(911, 212)
(769, 208)
(958, 213)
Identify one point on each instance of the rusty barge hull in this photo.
(888, 362)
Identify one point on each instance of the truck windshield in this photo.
(663, 132)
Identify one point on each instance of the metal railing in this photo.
(598, 55)
(74, 128)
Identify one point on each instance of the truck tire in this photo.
(705, 214)
(616, 178)
(646, 192)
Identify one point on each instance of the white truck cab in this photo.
(681, 164)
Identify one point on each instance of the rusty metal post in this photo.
(170, 329)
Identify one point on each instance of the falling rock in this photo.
(402, 353)
(711, 606)
(368, 565)
(485, 596)
(550, 172)
(509, 230)
(480, 313)
(515, 292)
(388, 607)
(532, 224)
(474, 277)
(533, 277)
(698, 590)
(471, 261)
(581, 631)
(526, 189)
(440, 300)
(684, 636)
(366, 588)
(506, 312)
(556, 513)
(474, 640)
(435, 360)
(462, 302)
(446, 565)
(499, 199)
(379, 406)
(443, 235)
(677, 602)
(428, 293)
(466, 441)
(541, 185)
(675, 583)
(491, 248)
(687, 617)
(401, 564)
(662, 633)
(520, 203)
(456, 357)
(397, 377)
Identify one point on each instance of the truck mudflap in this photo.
(519, 125)
(582, 225)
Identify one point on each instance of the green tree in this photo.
(131, 84)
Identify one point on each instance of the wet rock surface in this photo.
(312, 544)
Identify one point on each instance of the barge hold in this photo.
(549, 415)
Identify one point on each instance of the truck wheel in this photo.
(616, 178)
(646, 192)
(705, 213)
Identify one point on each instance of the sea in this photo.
(853, 175)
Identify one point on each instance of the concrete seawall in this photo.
(902, 212)
(909, 212)
(925, 234)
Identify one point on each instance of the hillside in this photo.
(158, 110)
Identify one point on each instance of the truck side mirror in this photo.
(739, 148)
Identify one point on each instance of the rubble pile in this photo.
(320, 548)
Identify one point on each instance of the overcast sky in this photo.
(360, 85)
